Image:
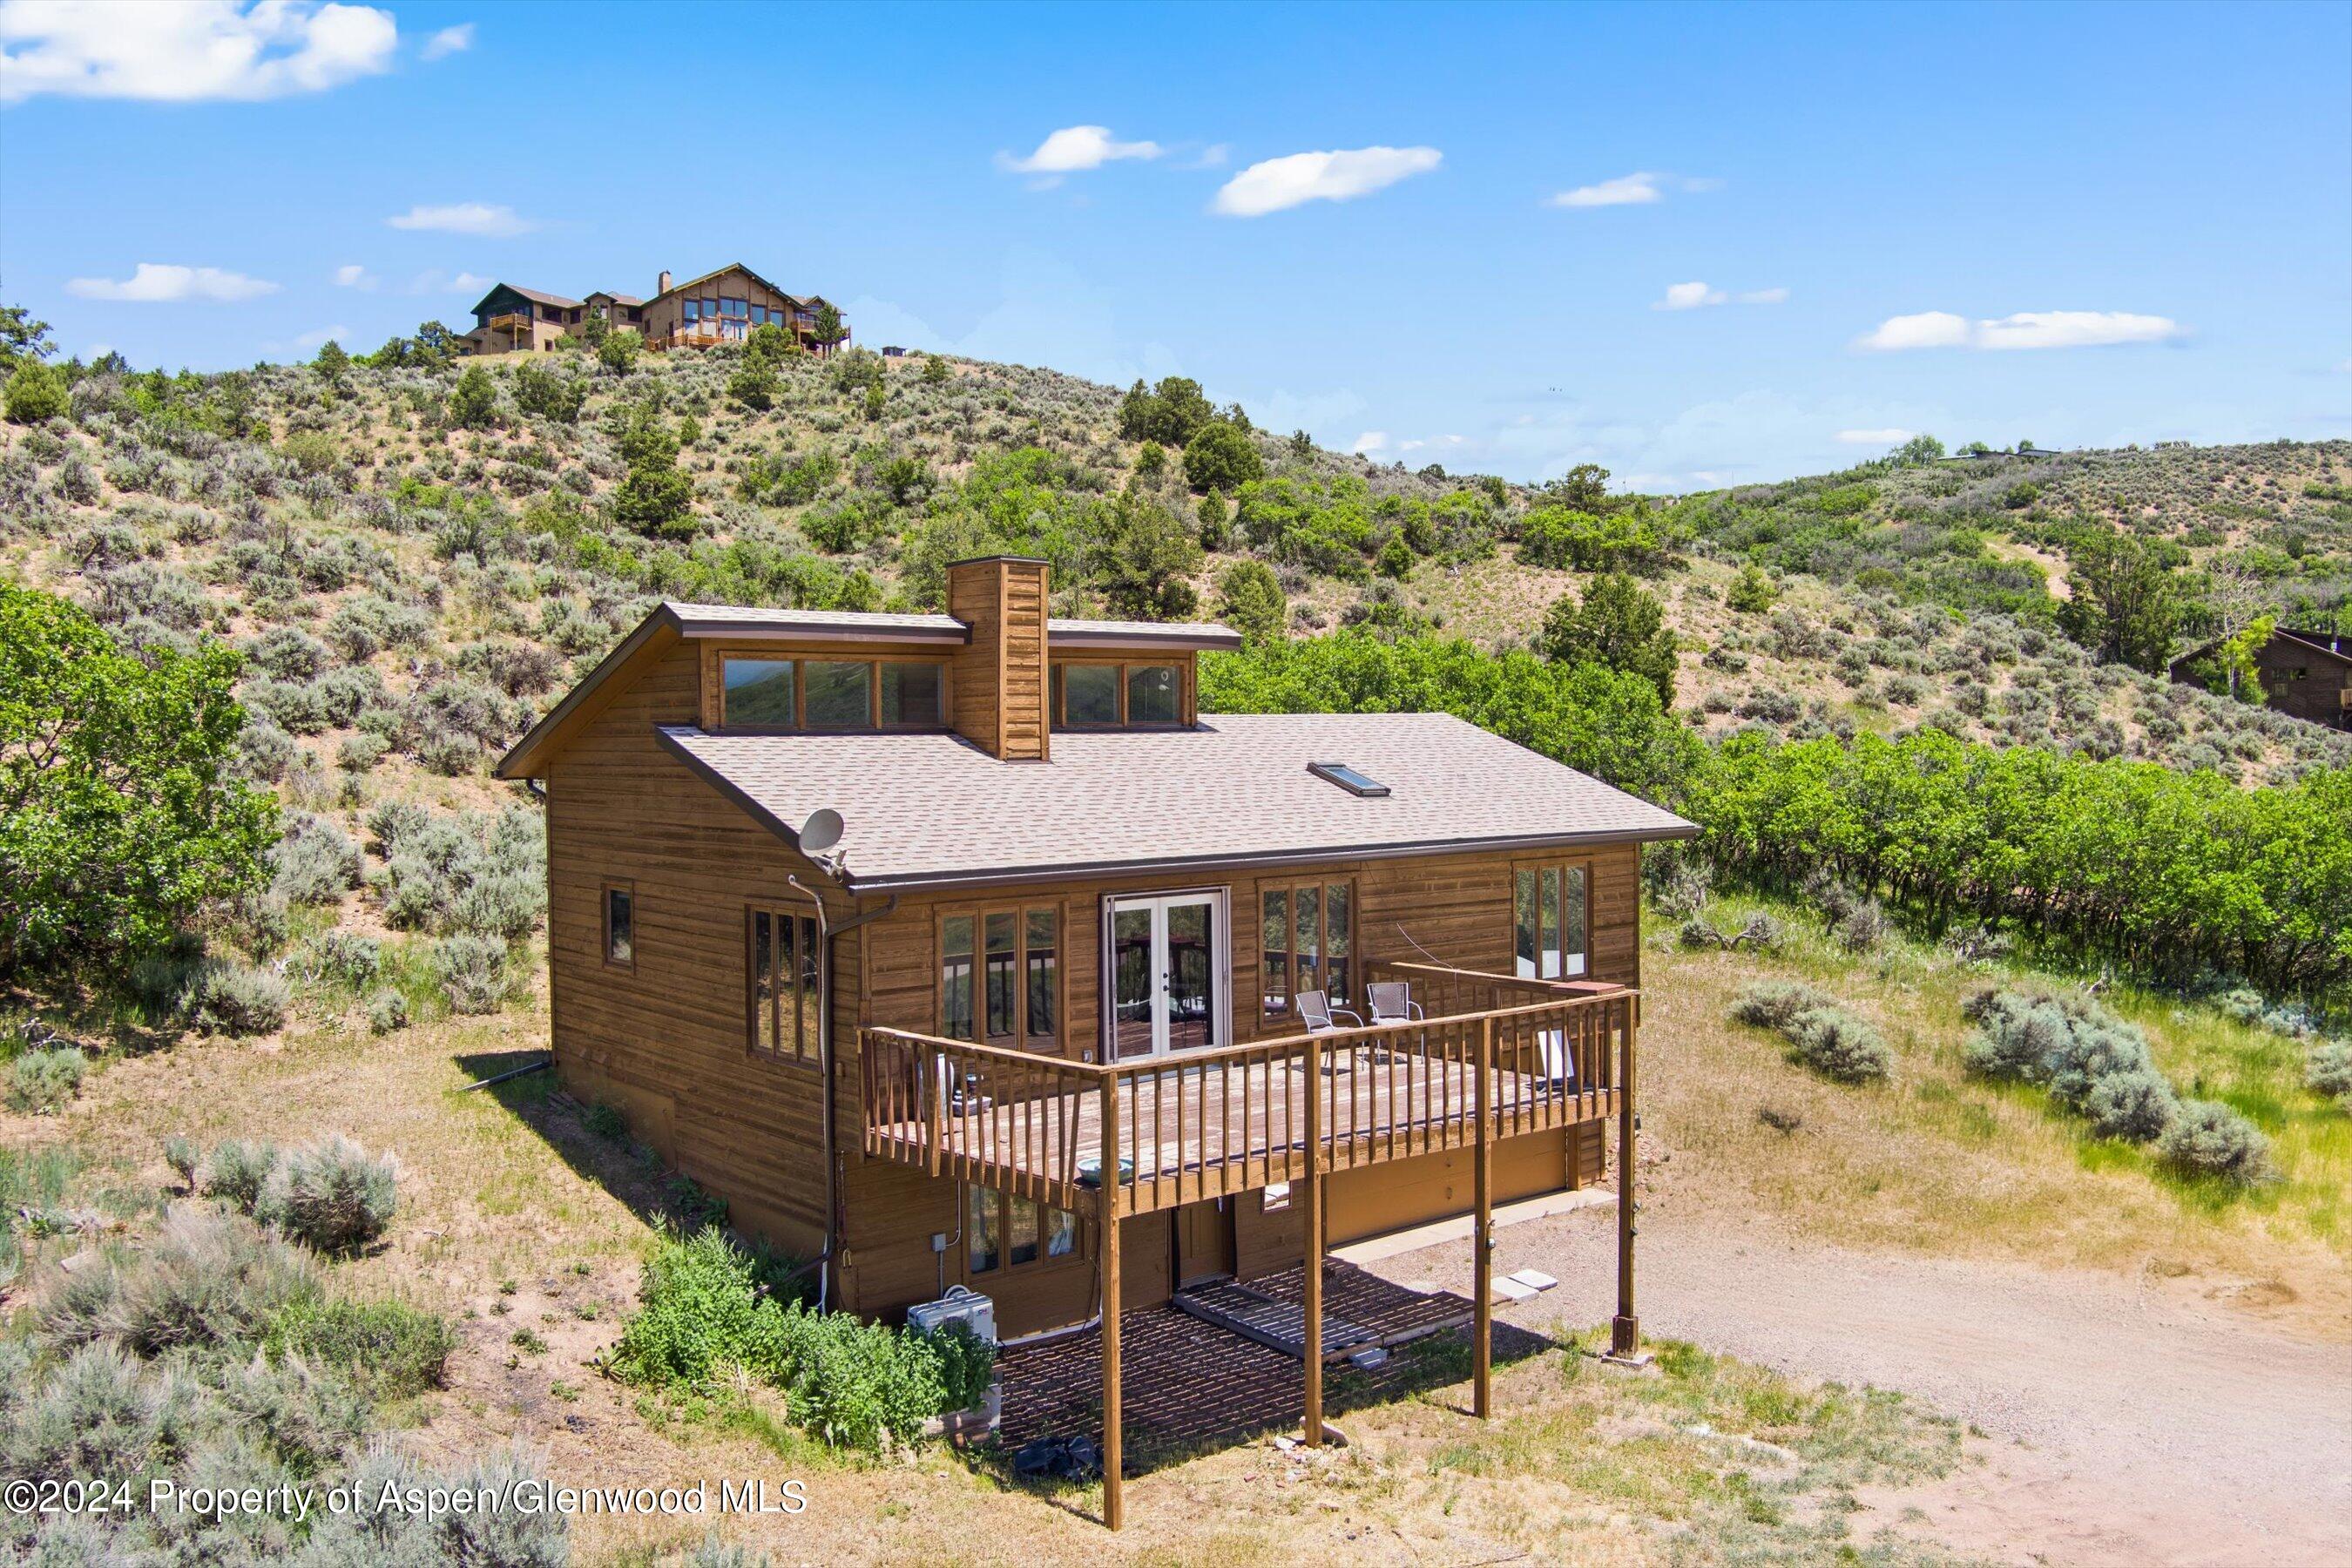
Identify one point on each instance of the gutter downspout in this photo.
(825, 933)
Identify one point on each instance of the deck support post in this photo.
(1482, 1235)
(1313, 1434)
(1107, 1261)
(1625, 1329)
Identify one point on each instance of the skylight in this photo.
(1347, 779)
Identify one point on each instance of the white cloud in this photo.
(2026, 330)
(1213, 156)
(156, 283)
(1765, 297)
(1638, 189)
(449, 41)
(1280, 182)
(188, 51)
(1927, 330)
(1370, 441)
(1889, 436)
(312, 339)
(1077, 147)
(1687, 296)
(434, 280)
(2073, 329)
(352, 275)
(477, 219)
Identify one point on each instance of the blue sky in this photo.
(2081, 225)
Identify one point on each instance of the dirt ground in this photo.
(2123, 1422)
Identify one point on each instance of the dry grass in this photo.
(1939, 1161)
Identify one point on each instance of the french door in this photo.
(1168, 964)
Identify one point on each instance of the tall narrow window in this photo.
(1306, 906)
(1004, 962)
(983, 1229)
(955, 977)
(783, 980)
(1337, 966)
(620, 925)
(1021, 1233)
(1040, 953)
(1274, 932)
(1551, 921)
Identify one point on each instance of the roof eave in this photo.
(1173, 637)
(522, 762)
(1322, 855)
(703, 626)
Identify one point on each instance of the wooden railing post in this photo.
(1106, 1260)
(1314, 1218)
(1482, 1239)
(1625, 1329)
(930, 1063)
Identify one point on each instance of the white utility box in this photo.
(969, 1308)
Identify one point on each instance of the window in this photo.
(781, 961)
(840, 694)
(620, 925)
(1116, 696)
(690, 309)
(758, 694)
(1551, 919)
(911, 697)
(1000, 977)
(1152, 694)
(1004, 1232)
(1306, 933)
(734, 310)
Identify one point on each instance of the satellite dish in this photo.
(821, 832)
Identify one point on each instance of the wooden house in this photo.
(720, 307)
(2304, 674)
(510, 319)
(963, 949)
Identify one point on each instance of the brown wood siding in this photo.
(665, 1040)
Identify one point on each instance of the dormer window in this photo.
(768, 694)
(1117, 696)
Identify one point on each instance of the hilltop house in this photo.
(961, 949)
(2303, 674)
(718, 307)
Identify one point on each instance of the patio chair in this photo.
(1392, 1002)
(1315, 1011)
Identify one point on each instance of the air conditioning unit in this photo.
(969, 1308)
(978, 1313)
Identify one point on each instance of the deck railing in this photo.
(1210, 1123)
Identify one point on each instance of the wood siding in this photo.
(665, 1040)
(998, 681)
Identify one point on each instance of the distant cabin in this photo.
(720, 307)
(2304, 674)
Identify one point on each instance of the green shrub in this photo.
(499, 1533)
(388, 1349)
(236, 1170)
(387, 1010)
(1839, 1046)
(2212, 1139)
(43, 1082)
(853, 1383)
(1221, 457)
(36, 393)
(181, 1154)
(1776, 1004)
(2136, 1105)
(472, 971)
(332, 1195)
(237, 999)
(209, 1280)
(2329, 1068)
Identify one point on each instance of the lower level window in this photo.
(1001, 1231)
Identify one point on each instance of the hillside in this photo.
(417, 560)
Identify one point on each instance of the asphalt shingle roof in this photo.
(933, 808)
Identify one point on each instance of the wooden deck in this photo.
(1206, 1124)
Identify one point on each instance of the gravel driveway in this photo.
(2126, 1425)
